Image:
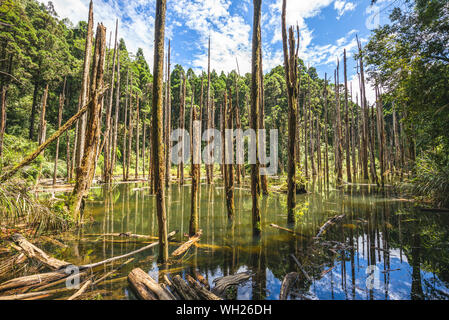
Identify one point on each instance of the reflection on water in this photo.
(409, 248)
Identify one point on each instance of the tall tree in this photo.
(255, 107)
(157, 150)
(291, 77)
(61, 105)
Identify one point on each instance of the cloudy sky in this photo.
(326, 26)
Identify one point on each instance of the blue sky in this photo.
(326, 27)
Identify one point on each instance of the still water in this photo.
(407, 249)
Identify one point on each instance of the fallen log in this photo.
(287, 284)
(81, 291)
(285, 229)
(329, 223)
(35, 253)
(93, 265)
(34, 294)
(201, 279)
(184, 247)
(32, 280)
(141, 281)
(183, 290)
(200, 290)
(224, 282)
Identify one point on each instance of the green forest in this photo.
(84, 121)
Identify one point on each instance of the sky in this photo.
(327, 27)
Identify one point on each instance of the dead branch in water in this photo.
(224, 282)
(328, 224)
(183, 248)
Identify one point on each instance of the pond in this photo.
(405, 249)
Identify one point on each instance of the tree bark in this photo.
(291, 74)
(43, 122)
(347, 132)
(85, 172)
(158, 152)
(61, 105)
(255, 107)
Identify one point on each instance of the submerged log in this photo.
(285, 229)
(328, 224)
(34, 252)
(146, 287)
(300, 267)
(221, 284)
(184, 247)
(201, 279)
(287, 284)
(81, 291)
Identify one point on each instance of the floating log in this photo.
(287, 284)
(34, 252)
(146, 287)
(184, 247)
(328, 224)
(285, 229)
(224, 282)
(200, 290)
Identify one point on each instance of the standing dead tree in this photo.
(291, 74)
(156, 145)
(168, 120)
(85, 172)
(347, 132)
(61, 105)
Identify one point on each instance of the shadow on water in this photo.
(408, 249)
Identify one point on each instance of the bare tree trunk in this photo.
(130, 130)
(372, 147)
(209, 168)
(347, 132)
(238, 123)
(255, 107)
(68, 159)
(61, 105)
(353, 139)
(85, 172)
(136, 170)
(305, 118)
(2, 121)
(311, 128)
(397, 144)
(291, 73)
(229, 156)
(326, 134)
(263, 178)
(158, 153)
(168, 121)
(339, 151)
(107, 169)
(182, 90)
(125, 129)
(363, 103)
(81, 132)
(116, 116)
(196, 167)
(43, 122)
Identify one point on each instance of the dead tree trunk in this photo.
(107, 169)
(85, 172)
(255, 107)
(130, 130)
(43, 122)
(338, 146)
(61, 105)
(238, 124)
(182, 126)
(229, 157)
(168, 121)
(2, 121)
(363, 102)
(125, 123)
(263, 178)
(291, 74)
(209, 167)
(196, 167)
(157, 148)
(347, 132)
(136, 170)
(326, 133)
(116, 116)
(84, 95)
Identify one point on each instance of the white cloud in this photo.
(369, 89)
(136, 20)
(342, 7)
(230, 34)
